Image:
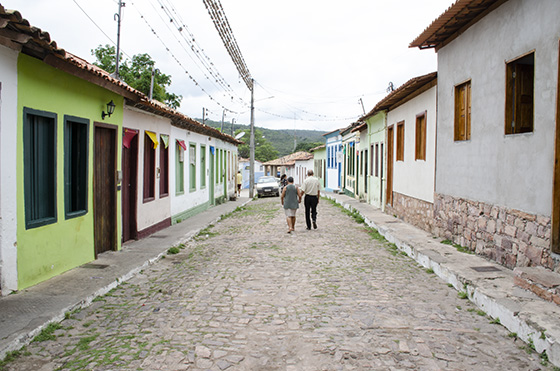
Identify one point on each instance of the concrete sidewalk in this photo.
(488, 285)
(25, 314)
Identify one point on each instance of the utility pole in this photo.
(152, 82)
(117, 17)
(295, 140)
(232, 121)
(203, 116)
(223, 115)
(362, 102)
(252, 143)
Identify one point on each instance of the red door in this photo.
(130, 189)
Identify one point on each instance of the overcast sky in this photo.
(312, 60)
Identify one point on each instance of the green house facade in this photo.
(58, 115)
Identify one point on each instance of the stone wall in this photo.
(413, 211)
(510, 237)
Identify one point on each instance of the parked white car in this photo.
(268, 186)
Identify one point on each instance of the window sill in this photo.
(180, 193)
(40, 222)
(149, 199)
(191, 190)
(163, 195)
(519, 134)
(75, 214)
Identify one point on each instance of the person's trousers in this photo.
(310, 203)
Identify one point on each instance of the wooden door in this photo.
(130, 190)
(390, 155)
(105, 188)
(555, 234)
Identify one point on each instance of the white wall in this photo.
(8, 153)
(411, 177)
(154, 211)
(188, 200)
(301, 170)
(514, 170)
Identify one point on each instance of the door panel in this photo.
(211, 180)
(390, 154)
(130, 190)
(105, 188)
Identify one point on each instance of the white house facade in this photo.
(413, 111)
(497, 127)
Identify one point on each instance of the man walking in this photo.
(239, 179)
(312, 190)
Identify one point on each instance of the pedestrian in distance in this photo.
(283, 181)
(312, 189)
(291, 198)
(239, 179)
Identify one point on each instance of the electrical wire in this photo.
(176, 59)
(96, 25)
(223, 27)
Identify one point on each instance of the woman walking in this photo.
(291, 197)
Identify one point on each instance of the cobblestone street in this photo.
(245, 295)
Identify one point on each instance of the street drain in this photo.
(486, 269)
(94, 266)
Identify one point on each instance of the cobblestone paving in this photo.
(245, 295)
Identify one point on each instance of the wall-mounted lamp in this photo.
(110, 110)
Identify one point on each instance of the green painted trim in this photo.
(68, 176)
(202, 166)
(29, 158)
(178, 218)
(348, 193)
(192, 168)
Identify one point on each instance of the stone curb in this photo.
(530, 321)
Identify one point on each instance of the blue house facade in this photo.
(334, 160)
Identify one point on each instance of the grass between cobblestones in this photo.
(86, 345)
(393, 249)
(372, 232)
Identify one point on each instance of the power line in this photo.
(221, 23)
(96, 25)
(189, 75)
(181, 27)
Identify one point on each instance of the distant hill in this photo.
(282, 140)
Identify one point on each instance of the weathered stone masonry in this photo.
(511, 237)
(413, 211)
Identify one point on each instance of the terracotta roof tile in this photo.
(37, 43)
(290, 160)
(403, 93)
(454, 21)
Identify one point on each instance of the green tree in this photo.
(306, 145)
(138, 74)
(264, 150)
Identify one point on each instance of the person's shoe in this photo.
(308, 228)
(314, 225)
